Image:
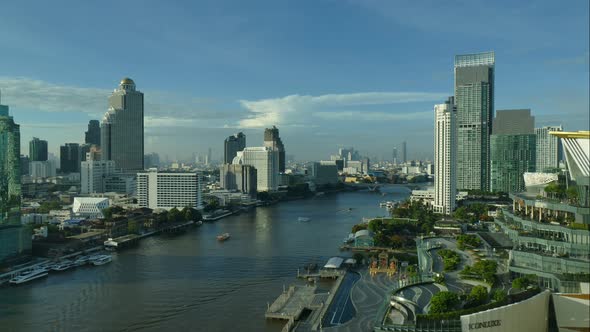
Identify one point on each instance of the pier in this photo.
(291, 303)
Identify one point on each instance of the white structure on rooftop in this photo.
(90, 207)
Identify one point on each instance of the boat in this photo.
(82, 260)
(29, 276)
(349, 239)
(303, 219)
(199, 223)
(110, 243)
(102, 260)
(64, 265)
(223, 237)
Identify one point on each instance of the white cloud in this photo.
(374, 116)
(298, 110)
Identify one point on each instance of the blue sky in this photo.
(328, 73)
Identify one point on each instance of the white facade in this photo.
(167, 190)
(266, 162)
(93, 174)
(121, 130)
(445, 145)
(90, 207)
(42, 169)
(547, 148)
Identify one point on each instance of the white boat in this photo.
(29, 276)
(64, 265)
(303, 219)
(223, 237)
(199, 223)
(101, 260)
(349, 239)
(110, 243)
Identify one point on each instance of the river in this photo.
(191, 281)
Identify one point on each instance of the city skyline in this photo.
(359, 85)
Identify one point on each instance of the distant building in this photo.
(121, 131)
(121, 183)
(15, 240)
(84, 149)
(353, 167)
(239, 177)
(266, 162)
(167, 190)
(512, 150)
(38, 149)
(24, 165)
(324, 172)
(548, 148)
(445, 157)
(90, 207)
(42, 169)
(69, 157)
(92, 136)
(272, 140)
(151, 160)
(365, 165)
(232, 145)
(404, 152)
(474, 98)
(93, 173)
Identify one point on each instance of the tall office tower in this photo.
(365, 165)
(404, 152)
(167, 190)
(24, 165)
(208, 159)
(512, 149)
(121, 131)
(238, 177)
(395, 156)
(548, 148)
(272, 140)
(69, 158)
(152, 160)
(84, 149)
(38, 149)
(92, 136)
(232, 145)
(15, 240)
(94, 171)
(445, 157)
(266, 162)
(474, 98)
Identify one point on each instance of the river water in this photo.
(191, 281)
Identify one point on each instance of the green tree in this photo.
(478, 295)
(174, 215)
(358, 227)
(572, 194)
(188, 214)
(132, 227)
(499, 295)
(443, 302)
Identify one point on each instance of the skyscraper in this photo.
(404, 151)
(474, 98)
(121, 131)
(238, 177)
(69, 158)
(266, 162)
(92, 136)
(548, 148)
(512, 149)
(38, 150)
(232, 145)
(94, 171)
(272, 140)
(14, 238)
(394, 154)
(445, 158)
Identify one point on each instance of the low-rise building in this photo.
(90, 207)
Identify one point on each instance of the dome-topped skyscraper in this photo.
(121, 129)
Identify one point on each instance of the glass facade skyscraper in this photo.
(474, 98)
(232, 145)
(512, 150)
(38, 149)
(14, 240)
(548, 148)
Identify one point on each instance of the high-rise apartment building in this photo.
(239, 177)
(167, 190)
(404, 152)
(15, 240)
(394, 155)
(69, 158)
(272, 140)
(548, 148)
(92, 135)
(445, 157)
(512, 149)
(474, 98)
(94, 171)
(38, 149)
(232, 145)
(121, 130)
(266, 162)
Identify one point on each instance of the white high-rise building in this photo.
(547, 148)
(266, 161)
(42, 169)
(445, 157)
(167, 190)
(93, 173)
(121, 130)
